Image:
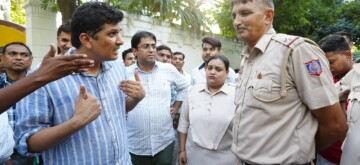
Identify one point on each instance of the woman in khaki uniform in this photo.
(205, 123)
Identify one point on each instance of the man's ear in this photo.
(269, 15)
(134, 51)
(348, 54)
(85, 40)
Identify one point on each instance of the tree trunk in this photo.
(67, 8)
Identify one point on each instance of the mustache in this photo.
(240, 27)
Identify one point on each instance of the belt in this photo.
(244, 163)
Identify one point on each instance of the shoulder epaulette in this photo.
(291, 41)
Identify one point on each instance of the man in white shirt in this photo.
(149, 125)
(210, 47)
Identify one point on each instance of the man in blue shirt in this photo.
(17, 59)
(72, 128)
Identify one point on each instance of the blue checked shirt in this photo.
(103, 141)
(149, 124)
(4, 81)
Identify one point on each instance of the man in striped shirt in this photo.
(69, 124)
(150, 130)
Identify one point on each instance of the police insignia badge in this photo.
(314, 67)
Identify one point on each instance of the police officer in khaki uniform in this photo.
(286, 102)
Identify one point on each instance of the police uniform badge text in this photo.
(313, 67)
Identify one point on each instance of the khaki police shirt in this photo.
(268, 130)
(350, 149)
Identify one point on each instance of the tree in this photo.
(309, 18)
(66, 7)
(17, 14)
(185, 11)
(224, 19)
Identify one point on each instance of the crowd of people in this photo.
(293, 101)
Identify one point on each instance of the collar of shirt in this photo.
(137, 67)
(224, 89)
(5, 81)
(202, 66)
(104, 65)
(262, 44)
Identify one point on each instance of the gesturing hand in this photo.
(53, 68)
(87, 108)
(133, 88)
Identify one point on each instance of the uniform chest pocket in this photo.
(354, 103)
(264, 90)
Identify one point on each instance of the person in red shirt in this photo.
(337, 51)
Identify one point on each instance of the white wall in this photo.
(41, 31)
(177, 40)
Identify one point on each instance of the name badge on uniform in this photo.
(313, 67)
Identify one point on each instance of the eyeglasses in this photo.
(147, 46)
(14, 54)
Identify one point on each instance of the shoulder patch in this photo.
(313, 67)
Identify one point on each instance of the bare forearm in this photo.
(324, 139)
(182, 140)
(332, 126)
(21, 88)
(177, 105)
(52, 136)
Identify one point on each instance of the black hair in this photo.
(90, 18)
(333, 43)
(65, 27)
(222, 58)
(344, 34)
(212, 41)
(162, 47)
(135, 40)
(16, 43)
(125, 52)
(175, 53)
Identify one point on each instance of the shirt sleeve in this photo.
(344, 85)
(6, 138)
(232, 76)
(192, 79)
(181, 84)
(184, 121)
(312, 76)
(34, 113)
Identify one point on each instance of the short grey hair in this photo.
(268, 3)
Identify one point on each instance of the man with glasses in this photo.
(17, 59)
(149, 125)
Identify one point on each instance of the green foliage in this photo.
(186, 12)
(224, 19)
(309, 18)
(52, 4)
(17, 12)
